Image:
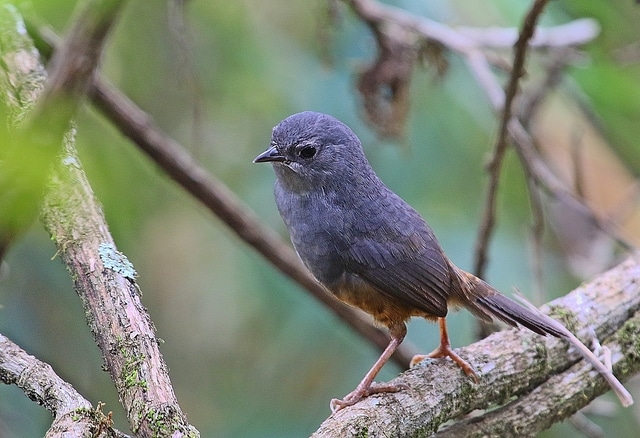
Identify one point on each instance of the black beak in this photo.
(271, 154)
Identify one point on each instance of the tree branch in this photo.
(464, 39)
(103, 277)
(73, 414)
(74, 64)
(105, 281)
(547, 381)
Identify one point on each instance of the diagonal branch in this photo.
(73, 66)
(105, 281)
(176, 161)
(213, 194)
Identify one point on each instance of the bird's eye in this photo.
(307, 152)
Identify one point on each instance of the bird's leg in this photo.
(444, 350)
(365, 388)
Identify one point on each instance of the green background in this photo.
(249, 353)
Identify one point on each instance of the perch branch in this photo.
(532, 380)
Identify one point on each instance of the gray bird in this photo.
(372, 250)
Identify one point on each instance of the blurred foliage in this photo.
(250, 355)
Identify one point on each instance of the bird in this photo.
(372, 250)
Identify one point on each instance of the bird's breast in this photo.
(353, 290)
(317, 232)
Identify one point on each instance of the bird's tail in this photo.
(513, 313)
(484, 300)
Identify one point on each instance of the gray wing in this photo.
(400, 256)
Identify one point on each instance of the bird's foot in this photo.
(446, 351)
(362, 392)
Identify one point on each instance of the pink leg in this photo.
(444, 350)
(365, 388)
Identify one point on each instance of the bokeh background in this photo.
(250, 354)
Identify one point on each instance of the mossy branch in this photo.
(103, 277)
(73, 414)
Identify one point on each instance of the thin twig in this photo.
(555, 66)
(495, 163)
(573, 33)
(544, 177)
(585, 426)
(463, 38)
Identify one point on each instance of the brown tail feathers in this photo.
(489, 301)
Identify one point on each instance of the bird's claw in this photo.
(359, 393)
(446, 351)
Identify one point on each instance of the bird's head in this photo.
(314, 149)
